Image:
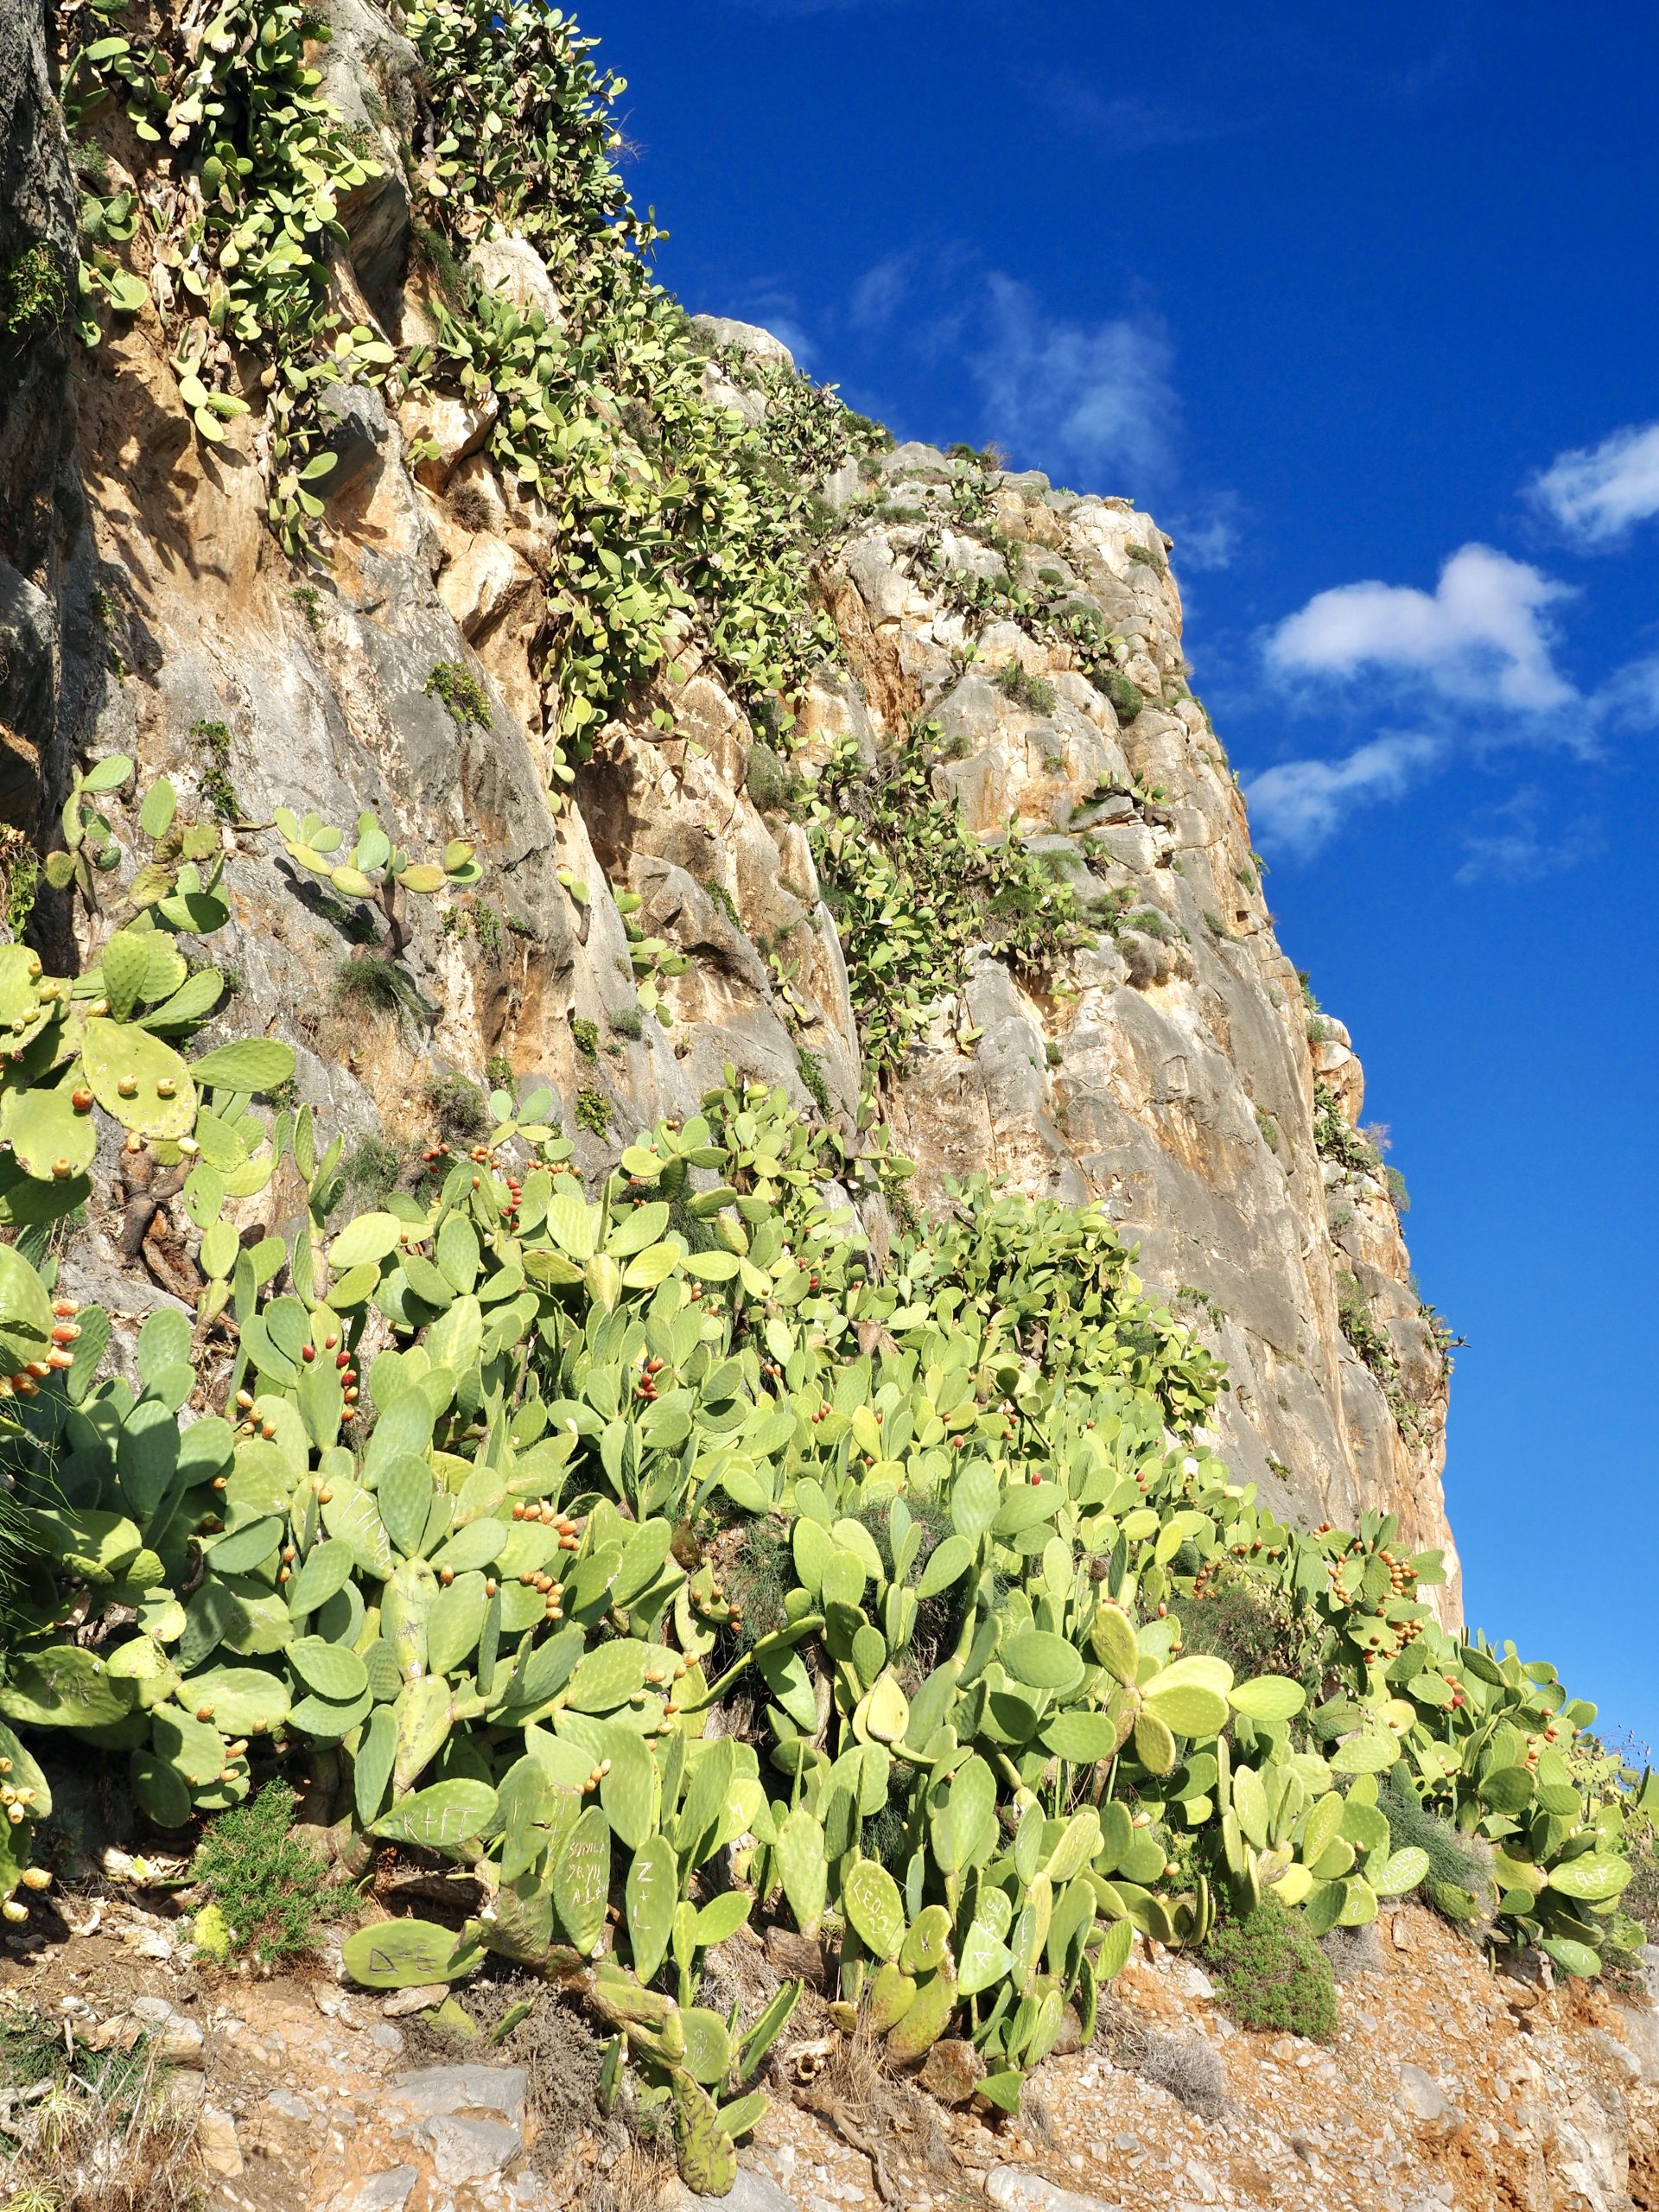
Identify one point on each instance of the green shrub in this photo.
(593, 1112)
(1373, 1343)
(1274, 1975)
(1336, 1138)
(1125, 693)
(773, 787)
(370, 985)
(267, 1883)
(372, 1172)
(1459, 1879)
(1399, 1195)
(1034, 692)
(586, 1034)
(812, 1074)
(34, 295)
(464, 697)
(1257, 1626)
(457, 1106)
(628, 1021)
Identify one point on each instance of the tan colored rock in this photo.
(507, 262)
(456, 428)
(217, 2144)
(483, 583)
(952, 2069)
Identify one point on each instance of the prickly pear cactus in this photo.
(509, 1487)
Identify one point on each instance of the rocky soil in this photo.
(1446, 2085)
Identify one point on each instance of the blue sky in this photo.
(1361, 304)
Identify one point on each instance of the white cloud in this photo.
(1629, 697)
(1481, 638)
(1597, 493)
(1303, 804)
(1524, 836)
(1206, 537)
(1087, 399)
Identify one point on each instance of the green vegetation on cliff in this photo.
(454, 1500)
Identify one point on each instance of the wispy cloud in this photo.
(1481, 638)
(1523, 837)
(1120, 124)
(1207, 533)
(1303, 804)
(1091, 401)
(1598, 494)
(1093, 398)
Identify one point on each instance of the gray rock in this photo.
(383, 2192)
(744, 337)
(464, 2149)
(507, 262)
(969, 716)
(431, 2092)
(752, 2192)
(1020, 2188)
(1423, 2099)
(355, 416)
(916, 462)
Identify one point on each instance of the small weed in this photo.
(461, 693)
(1318, 1029)
(1274, 1973)
(1033, 692)
(33, 293)
(587, 1036)
(593, 1112)
(628, 1021)
(20, 871)
(104, 2131)
(1372, 1344)
(1269, 1130)
(1187, 1295)
(1125, 693)
(1214, 924)
(809, 1070)
(266, 1882)
(497, 1071)
(372, 1172)
(722, 900)
(1398, 1193)
(308, 600)
(1459, 1881)
(1186, 2066)
(368, 985)
(772, 784)
(1147, 557)
(217, 789)
(457, 1107)
(1052, 1053)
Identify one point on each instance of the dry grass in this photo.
(1186, 2066)
(99, 2131)
(618, 2164)
(877, 2111)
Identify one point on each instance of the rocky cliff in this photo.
(1015, 648)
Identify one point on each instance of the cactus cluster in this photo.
(466, 1522)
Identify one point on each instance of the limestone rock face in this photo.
(1171, 1072)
